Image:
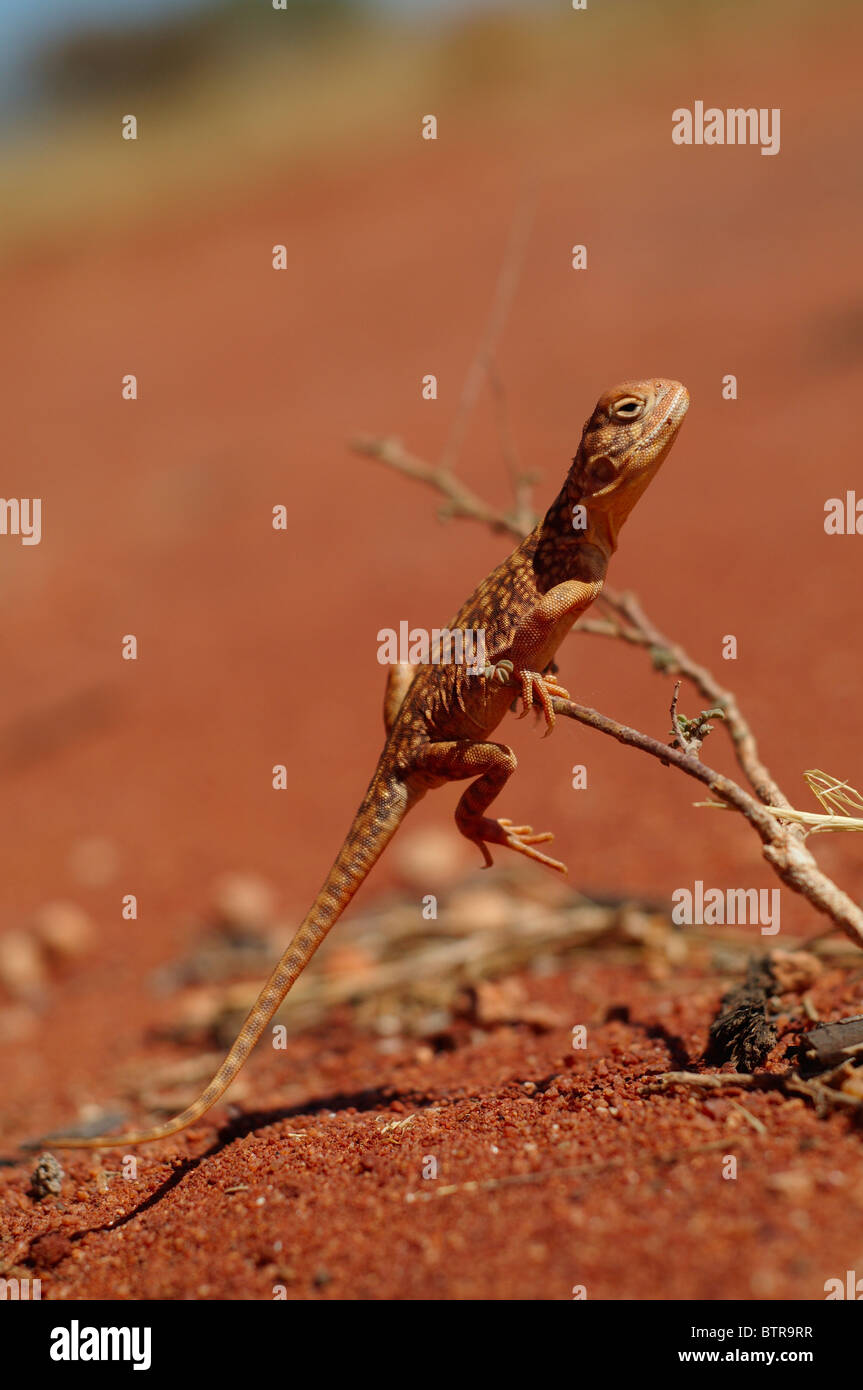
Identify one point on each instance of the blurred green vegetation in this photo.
(236, 92)
(156, 53)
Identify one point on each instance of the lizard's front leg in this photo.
(492, 764)
(535, 641)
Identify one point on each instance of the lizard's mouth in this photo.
(669, 418)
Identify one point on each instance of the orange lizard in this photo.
(439, 718)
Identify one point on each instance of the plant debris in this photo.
(741, 1032)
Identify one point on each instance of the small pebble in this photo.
(64, 930)
(243, 900)
(22, 969)
(47, 1177)
(429, 860)
(479, 909)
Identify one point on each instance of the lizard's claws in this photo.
(547, 689)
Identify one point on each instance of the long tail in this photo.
(382, 810)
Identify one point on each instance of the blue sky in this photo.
(24, 22)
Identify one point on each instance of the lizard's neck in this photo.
(563, 551)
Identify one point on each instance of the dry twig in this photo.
(817, 1090)
(482, 365)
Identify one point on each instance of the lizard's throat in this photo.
(573, 551)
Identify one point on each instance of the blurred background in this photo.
(302, 127)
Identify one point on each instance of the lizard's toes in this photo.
(555, 864)
(500, 671)
(525, 833)
(522, 839)
(558, 692)
(526, 847)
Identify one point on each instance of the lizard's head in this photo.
(623, 444)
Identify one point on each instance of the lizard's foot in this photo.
(518, 837)
(546, 687)
(500, 671)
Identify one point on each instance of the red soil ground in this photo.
(257, 647)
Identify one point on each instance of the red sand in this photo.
(257, 647)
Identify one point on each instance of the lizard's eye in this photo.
(627, 408)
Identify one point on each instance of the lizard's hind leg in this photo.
(492, 764)
(399, 679)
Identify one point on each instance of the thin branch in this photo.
(461, 501)
(679, 736)
(783, 849)
(818, 1090)
(689, 734)
(711, 1080)
(817, 821)
(510, 273)
(521, 482)
(672, 657)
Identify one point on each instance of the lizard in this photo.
(439, 718)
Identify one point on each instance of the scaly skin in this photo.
(439, 722)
